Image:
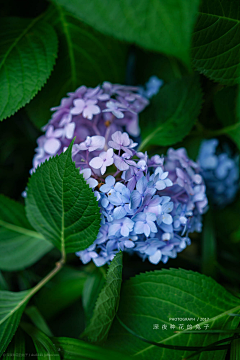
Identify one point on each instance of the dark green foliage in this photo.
(172, 113)
(158, 297)
(61, 206)
(28, 53)
(216, 47)
(163, 25)
(51, 49)
(11, 308)
(20, 245)
(107, 303)
(80, 49)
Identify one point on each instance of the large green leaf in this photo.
(11, 309)
(172, 297)
(62, 291)
(20, 245)
(172, 112)
(92, 287)
(161, 25)
(42, 342)
(86, 57)
(107, 303)
(27, 56)
(61, 206)
(216, 45)
(73, 349)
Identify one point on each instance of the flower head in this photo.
(220, 171)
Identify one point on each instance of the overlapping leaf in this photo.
(11, 309)
(172, 297)
(86, 57)
(92, 287)
(160, 25)
(16, 349)
(172, 113)
(216, 45)
(20, 245)
(62, 291)
(42, 342)
(61, 206)
(27, 56)
(107, 303)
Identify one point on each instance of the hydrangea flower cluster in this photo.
(220, 171)
(148, 205)
(87, 112)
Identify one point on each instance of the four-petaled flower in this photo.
(123, 226)
(87, 108)
(92, 143)
(104, 159)
(121, 141)
(109, 184)
(115, 108)
(144, 223)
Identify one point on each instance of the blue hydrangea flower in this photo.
(148, 205)
(220, 171)
(146, 208)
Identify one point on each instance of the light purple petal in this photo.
(154, 259)
(167, 219)
(70, 130)
(160, 185)
(96, 163)
(119, 212)
(52, 146)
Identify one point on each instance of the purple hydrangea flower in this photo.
(148, 205)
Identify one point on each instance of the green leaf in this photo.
(160, 297)
(27, 56)
(16, 349)
(216, 46)
(86, 57)
(43, 344)
(107, 303)
(62, 291)
(73, 349)
(173, 112)
(209, 246)
(20, 245)
(92, 287)
(61, 206)
(11, 309)
(159, 25)
(37, 319)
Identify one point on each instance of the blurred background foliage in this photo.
(99, 57)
